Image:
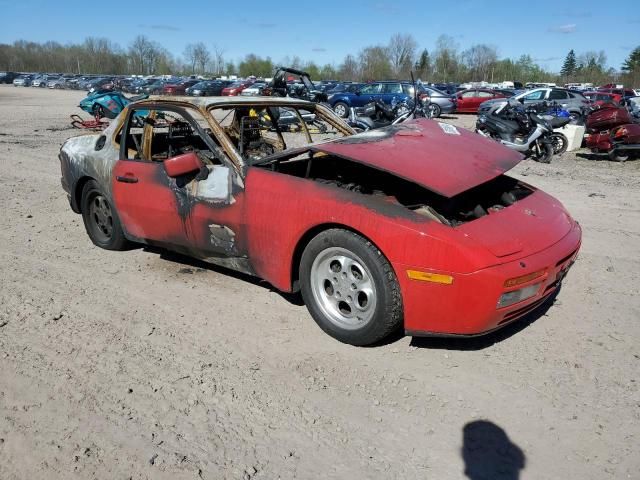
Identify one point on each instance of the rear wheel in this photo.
(576, 118)
(617, 156)
(350, 288)
(434, 110)
(101, 219)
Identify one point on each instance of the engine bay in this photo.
(482, 200)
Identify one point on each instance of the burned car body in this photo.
(294, 83)
(413, 226)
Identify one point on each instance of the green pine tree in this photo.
(423, 65)
(569, 66)
(632, 63)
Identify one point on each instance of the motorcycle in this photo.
(103, 104)
(378, 114)
(518, 128)
(107, 103)
(558, 117)
(613, 130)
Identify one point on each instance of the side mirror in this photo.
(182, 165)
(358, 92)
(521, 100)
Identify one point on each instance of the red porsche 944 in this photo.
(414, 226)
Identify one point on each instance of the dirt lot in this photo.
(143, 364)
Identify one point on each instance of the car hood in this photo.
(442, 158)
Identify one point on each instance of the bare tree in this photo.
(480, 59)
(375, 63)
(218, 60)
(349, 70)
(190, 56)
(402, 52)
(201, 56)
(446, 58)
(143, 55)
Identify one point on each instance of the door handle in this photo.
(127, 178)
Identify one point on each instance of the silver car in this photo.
(254, 90)
(39, 81)
(22, 81)
(571, 100)
(439, 102)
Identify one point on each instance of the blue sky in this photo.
(326, 30)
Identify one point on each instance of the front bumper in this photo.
(448, 108)
(468, 306)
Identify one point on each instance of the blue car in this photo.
(386, 91)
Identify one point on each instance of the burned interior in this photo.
(474, 203)
(259, 131)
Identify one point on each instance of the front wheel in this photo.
(98, 110)
(341, 109)
(350, 288)
(542, 152)
(101, 219)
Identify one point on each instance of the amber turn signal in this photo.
(430, 277)
(512, 282)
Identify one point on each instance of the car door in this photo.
(391, 91)
(368, 93)
(482, 96)
(466, 101)
(534, 96)
(559, 96)
(173, 184)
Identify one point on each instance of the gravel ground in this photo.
(144, 364)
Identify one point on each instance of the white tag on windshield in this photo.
(449, 129)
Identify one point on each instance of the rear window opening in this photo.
(482, 200)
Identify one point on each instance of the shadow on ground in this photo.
(489, 454)
(191, 265)
(195, 264)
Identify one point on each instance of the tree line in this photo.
(446, 62)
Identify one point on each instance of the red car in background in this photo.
(469, 100)
(618, 93)
(236, 88)
(600, 98)
(178, 88)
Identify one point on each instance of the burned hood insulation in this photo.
(440, 157)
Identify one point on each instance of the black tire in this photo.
(374, 305)
(101, 219)
(98, 110)
(617, 157)
(545, 154)
(576, 118)
(341, 109)
(434, 110)
(559, 142)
